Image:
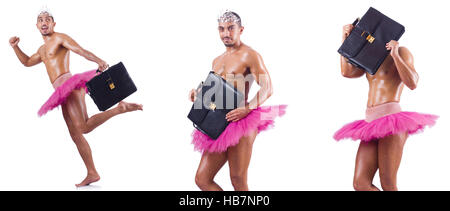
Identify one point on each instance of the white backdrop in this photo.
(168, 47)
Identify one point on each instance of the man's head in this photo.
(230, 28)
(45, 22)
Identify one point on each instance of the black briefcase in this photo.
(365, 47)
(110, 87)
(215, 98)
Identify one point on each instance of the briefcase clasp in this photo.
(112, 86)
(370, 38)
(212, 106)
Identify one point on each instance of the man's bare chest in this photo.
(230, 66)
(51, 51)
(386, 72)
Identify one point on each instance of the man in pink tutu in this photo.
(69, 90)
(384, 131)
(240, 65)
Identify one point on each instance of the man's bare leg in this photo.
(390, 150)
(75, 110)
(78, 113)
(366, 166)
(209, 165)
(239, 160)
(83, 148)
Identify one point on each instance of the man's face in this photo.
(230, 33)
(45, 24)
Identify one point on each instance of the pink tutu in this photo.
(64, 85)
(259, 119)
(385, 120)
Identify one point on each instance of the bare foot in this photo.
(88, 180)
(127, 107)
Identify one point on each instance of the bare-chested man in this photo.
(70, 90)
(240, 65)
(384, 131)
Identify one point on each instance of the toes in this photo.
(130, 106)
(135, 106)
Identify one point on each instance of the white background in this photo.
(168, 48)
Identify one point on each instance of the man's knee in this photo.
(388, 183)
(81, 128)
(361, 184)
(238, 180)
(202, 181)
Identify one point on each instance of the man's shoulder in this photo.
(405, 53)
(61, 35)
(41, 48)
(250, 53)
(248, 49)
(217, 58)
(403, 49)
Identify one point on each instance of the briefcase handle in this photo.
(356, 21)
(109, 76)
(98, 70)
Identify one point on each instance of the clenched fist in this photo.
(13, 41)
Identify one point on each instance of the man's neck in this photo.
(47, 37)
(235, 47)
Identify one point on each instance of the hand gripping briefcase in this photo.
(365, 47)
(215, 98)
(111, 86)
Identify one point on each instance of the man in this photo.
(384, 131)
(240, 65)
(69, 90)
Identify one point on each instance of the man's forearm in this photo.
(90, 56)
(259, 99)
(408, 75)
(21, 55)
(261, 96)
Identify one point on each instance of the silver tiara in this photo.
(45, 10)
(228, 16)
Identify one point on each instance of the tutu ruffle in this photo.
(410, 122)
(61, 93)
(260, 119)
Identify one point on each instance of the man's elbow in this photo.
(26, 64)
(269, 92)
(413, 85)
(347, 74)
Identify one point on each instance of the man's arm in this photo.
(24, 59)
(262, 78)
(404, 63)
(348, 70)
(70, 44)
